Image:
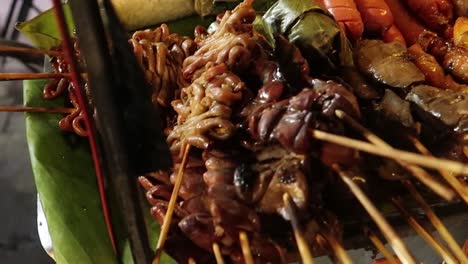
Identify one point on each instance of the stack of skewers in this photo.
(285, 124)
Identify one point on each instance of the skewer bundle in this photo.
(258, 134)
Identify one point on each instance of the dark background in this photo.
(19, 240)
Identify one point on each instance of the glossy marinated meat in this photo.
(288, 121)
(376, 16)
(434, 73)
(437, 14)
(453, 58)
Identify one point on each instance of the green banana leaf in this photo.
(64, 171)
(312, 29)
(42, 30)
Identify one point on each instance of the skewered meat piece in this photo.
(437, 14)
(387, 63)
(454, 59)
(434, 73)
(231, 43)
(287, 121)
(274, 172)
(192, 183)
(204, 109)
(161, 55)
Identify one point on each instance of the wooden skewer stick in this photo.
(381, 247)
(191, 261)
(301, 242)
(440, 189)
(337, 249)
(450, 178)
(436, 222)
(170, 208)
(445, 234)
(217, 253)
(392, 237)
(245, 245)
(29, 50)
(37, 109)
(428, 237)
(429, 162)
(31, 76)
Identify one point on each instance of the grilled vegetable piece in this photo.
(449, 107)
(387, 63)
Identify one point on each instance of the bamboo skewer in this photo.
(428, 237)
(31, 76)
(245, 246)
(429, 162)
(450, 178)
(30, 50)
(381, 247)
(37, 109)
(336, 247)
(301, 242)
(170, 208)
(436, 222)
(394, 240)
(445, 234)
(437, 187)
(217, 253)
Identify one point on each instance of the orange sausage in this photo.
(410, 28)
(376, 16)
(347, 15)
(393, 34)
